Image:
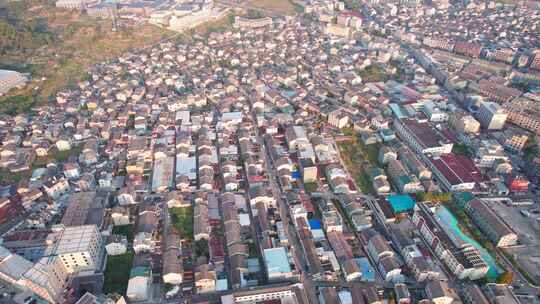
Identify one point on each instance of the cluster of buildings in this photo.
(221, 166)
(174, 15)
(49, 264)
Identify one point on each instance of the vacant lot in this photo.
(356, 157)
(182, 220)
(117, 273)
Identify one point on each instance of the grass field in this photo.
(117, 273)
(182, 220)
(354, 156)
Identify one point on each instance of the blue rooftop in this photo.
(315, 224)
(401, 203)
(368, 273)
(397, 111)
(276, 260)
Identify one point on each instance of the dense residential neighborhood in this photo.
(356, 152)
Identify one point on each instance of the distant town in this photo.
(348, 152)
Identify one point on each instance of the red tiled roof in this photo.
(457, 169)
(342, 249)
(352, 14)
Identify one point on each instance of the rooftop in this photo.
(457, 169)
(401, 203)
(276, 260)
(424, 133)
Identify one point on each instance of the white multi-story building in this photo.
(461, 258)
(492, 116)
(241, 22)
(79, 248)
(75, 4)
(258, 295)
(433, 112)
(338, 119)
(464, 123)
(524, 113)
(422, 137)
(47, 279)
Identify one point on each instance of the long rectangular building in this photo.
(422, 137)
(461, 258)
(455, 172)
(162, 178)
(491, 224)
(524, 113)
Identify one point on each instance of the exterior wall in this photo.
(257, 297)
(491, 120)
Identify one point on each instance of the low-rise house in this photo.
(205, 279)
(439, 292)
(71, 171)
(145, 238)
(351, 270)
(472, 294)
(120, 216)
(201, 227)
(277, 264)
(501, 293)
(63, 144)
(127, 196)
(390, 269)
(29, 198)
(116, 245)
(378, 247)
(403, 296)
(404, 181)
(174, 199)
(55, 188)
(139, 284)
(337, 178)
(386, 154)
(261, 193)
(379, 181)
(172, 263)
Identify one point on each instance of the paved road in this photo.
(288, 225)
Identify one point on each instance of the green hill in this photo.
(56, 46)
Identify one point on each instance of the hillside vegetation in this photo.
(21, 33)
(56, 46)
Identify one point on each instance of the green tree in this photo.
(201, 248)
(311, 187)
